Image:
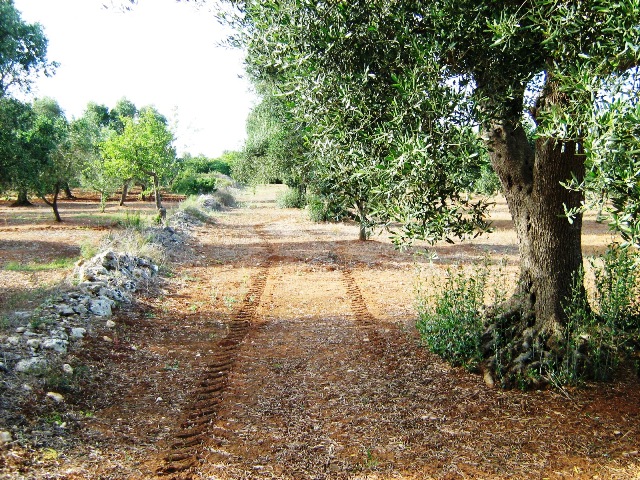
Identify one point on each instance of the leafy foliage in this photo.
(143, 149)
(23, 50)
(450, 323)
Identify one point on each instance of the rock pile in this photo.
(108, 279)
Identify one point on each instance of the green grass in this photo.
(57, 264)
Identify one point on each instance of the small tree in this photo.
(86, 134)
(49, 145)
(143, 149)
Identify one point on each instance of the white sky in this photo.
(161, 53)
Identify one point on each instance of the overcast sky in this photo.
(161, 53)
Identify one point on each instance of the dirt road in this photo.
(285, 349)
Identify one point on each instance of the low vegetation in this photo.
(602, 334)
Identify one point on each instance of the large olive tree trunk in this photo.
(550, 246)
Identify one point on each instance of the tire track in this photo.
(184, 451)
(376, 344)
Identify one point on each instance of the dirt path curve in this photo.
(283, 349)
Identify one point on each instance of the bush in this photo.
(291, 198)
(190, 182)
(450, 321)
(602, 331)
(225, 197)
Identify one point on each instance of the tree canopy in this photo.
(23, 50)
(143, 149)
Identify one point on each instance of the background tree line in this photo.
(42, 153)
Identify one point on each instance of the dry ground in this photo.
(279, 348)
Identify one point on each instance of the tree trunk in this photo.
(156, 191)
(67, 192)
(103, 201)
(23, 200)
(362, 218)
(54, 203)
(125, 190)
(549, 245)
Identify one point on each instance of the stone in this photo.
(109, 260)
(28, 364)
(34, 343)
(78, 332)
(5, 437)
(21, 329)
(80, 309)
(56, 397)
(68, 369)
(65, 310)
(101, 307)
(23, 315)
(13, 340)
(110, 324)
(57, 344)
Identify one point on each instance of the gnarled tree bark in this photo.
(550, 246)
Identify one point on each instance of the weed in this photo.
(49, 454)
(173, 366)
(131, 220)
(88, 249)
(54, 418)
(371, 461)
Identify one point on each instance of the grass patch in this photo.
(134, 242)
(57, 264)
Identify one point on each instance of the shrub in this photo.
(225, 197)
(450, 321)
(602, 330)
(190, 182)
(291, 198)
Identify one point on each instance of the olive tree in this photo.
(419, 88)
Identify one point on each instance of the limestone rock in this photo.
(5, 437)
(78, 332)
(28, 364)
(56, 397)
(101, 307)
(57, 344)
